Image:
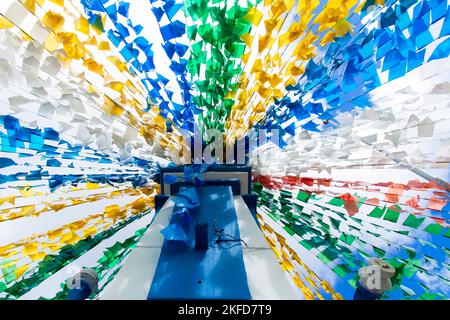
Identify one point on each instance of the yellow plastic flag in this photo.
(278, 94)
(253, 16)
(53, 20)
(6, 255)
(92, 186)
(293, 70)
(337, 296)
(76, 201)
(328, 37)
(70, 238)
(26, 192)
(37, 256)
(326, 286)
(54, 247)
(116, 86)
(342, 27)
(289, 4)
(248, 39)
(116, 61)
(112, 211)
(263, 92)
(277, 252)
(139, 205)
(259, 108)
(21, 270)
(297, 281)
(262, 76)
(277, 8)
(30, 248)
(264, 42)
(77, 225)
(290, 82)
(5, 23)
(58, 2)
(274, 80)
(53, 234)
(92, 41)
(288, 265)
(307, 5)
(283, 40)
(10, 199)
(56, 207)
(257, 66)
(304, 51)
(319, 296)
(89, 232)
(9, 264)
(93, 66)
(160, 121)
(104, 46)
(292, 34)
(271, 24)
(82, 25)
(51, 43)
(27, 210)
(30, 5)
(73, 48)
(112, 107)
(307, 293)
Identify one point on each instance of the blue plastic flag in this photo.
(441, 51)
(6, 162)
(173, 30)
(174, 232)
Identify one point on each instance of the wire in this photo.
(221, 233)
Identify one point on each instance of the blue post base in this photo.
(201, 236)
(81, 293)
(362, 293)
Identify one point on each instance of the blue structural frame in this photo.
(215, 168)
(235, 185)
(249, 199)
(160, 200)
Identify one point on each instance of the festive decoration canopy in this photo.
(96, 95)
